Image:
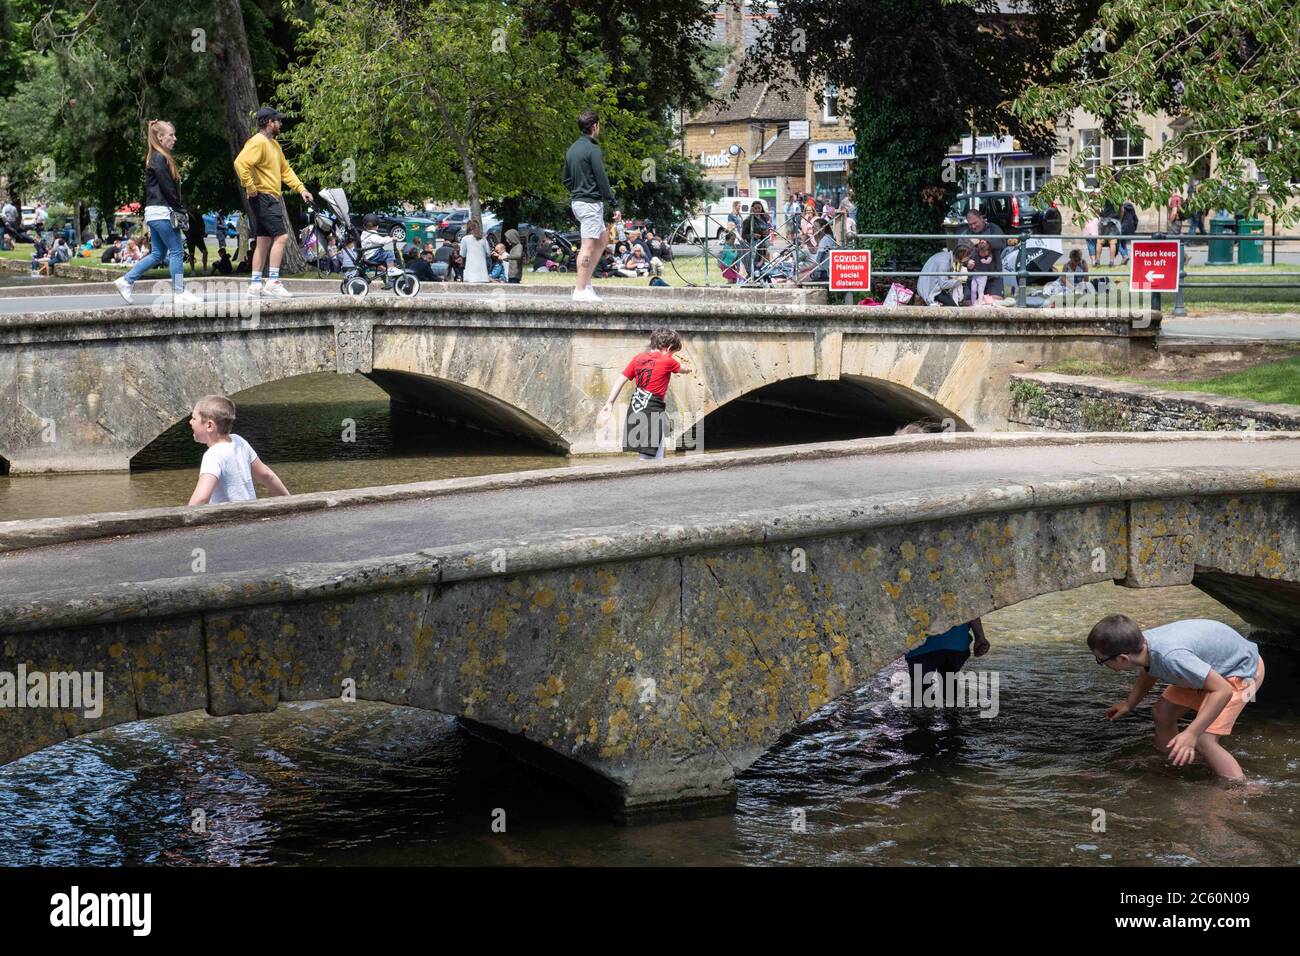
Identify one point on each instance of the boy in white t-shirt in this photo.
(230, 466)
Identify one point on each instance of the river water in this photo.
(870, 782)
(300, 427)
(873, 783)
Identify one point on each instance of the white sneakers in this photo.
(124, 288)
(585, 295)
(274, 289)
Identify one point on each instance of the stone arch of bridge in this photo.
(424, 395)
(869, 406)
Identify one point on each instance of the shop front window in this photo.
(1024, 179)
(830, 187)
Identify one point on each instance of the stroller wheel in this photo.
(406, 285)
(354, 285)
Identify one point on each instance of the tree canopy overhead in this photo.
(1226, 70)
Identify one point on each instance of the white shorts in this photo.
(591, 218)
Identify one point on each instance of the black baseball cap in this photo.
(267, 113)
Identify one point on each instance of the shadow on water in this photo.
(863, 782)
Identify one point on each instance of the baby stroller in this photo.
(334, 220)
(563, 252)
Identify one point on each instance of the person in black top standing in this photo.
(584, 176)
(162, 201)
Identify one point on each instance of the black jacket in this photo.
(1128, 222)
(584, 172)
(160, 187)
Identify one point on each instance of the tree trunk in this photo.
(471, 184)
(234, 70)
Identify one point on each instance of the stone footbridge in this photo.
(86, 390)
(649, 654)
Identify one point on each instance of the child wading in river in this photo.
(647, 419)
(230, 466)
(1209, 668)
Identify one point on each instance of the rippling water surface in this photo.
(367, 783)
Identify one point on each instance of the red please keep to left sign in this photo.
(850, 270)
(1154, 266)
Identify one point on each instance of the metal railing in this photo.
(764, 262)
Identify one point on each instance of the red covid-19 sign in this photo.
(850, 270)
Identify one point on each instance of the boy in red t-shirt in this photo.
(647, 421)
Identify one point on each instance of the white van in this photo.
(714, 225)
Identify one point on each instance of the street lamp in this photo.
(735, 149)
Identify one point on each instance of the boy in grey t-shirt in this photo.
(1208, 666)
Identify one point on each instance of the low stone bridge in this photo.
(87, 390)
(648, 653)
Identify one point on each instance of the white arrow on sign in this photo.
(1153, 276)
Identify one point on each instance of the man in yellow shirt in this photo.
(264, 172)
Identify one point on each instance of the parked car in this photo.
(210, 224)
(404, 227)
(450, 226)
(1010, 211)
(454, 227)
(28, 214)
(714, 224)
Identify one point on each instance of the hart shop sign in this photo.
(1154, 266)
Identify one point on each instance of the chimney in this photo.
(734, 33)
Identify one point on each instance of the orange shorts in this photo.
(1242, 691)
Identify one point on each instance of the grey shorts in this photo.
(591, 218)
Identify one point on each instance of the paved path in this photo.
(1262, 328)
(657, 498)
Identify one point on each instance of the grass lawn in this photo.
(1273, 382)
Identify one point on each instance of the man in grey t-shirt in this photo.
(1209, 668)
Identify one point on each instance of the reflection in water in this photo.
(367, 783)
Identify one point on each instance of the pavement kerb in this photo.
(75, 607)
(40, 532)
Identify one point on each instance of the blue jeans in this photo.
(659, 452)
(165, 241)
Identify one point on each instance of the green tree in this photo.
(400, 100)
(1227, 70)
(922, 73)
(96, 72)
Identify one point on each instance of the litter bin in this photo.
(1250, 253)
(1220, 252)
